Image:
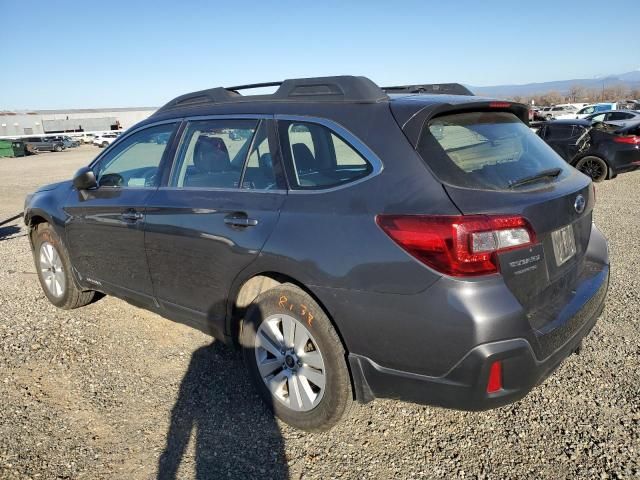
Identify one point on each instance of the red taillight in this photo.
(627, 139)
(458, 245)
(499, 105)
(494, 384)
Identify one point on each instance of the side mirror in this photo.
(85, 179)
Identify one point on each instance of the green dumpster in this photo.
(19, 148)
(6, 148)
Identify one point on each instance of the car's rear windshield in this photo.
(487, 150)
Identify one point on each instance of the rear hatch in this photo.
(491, 163)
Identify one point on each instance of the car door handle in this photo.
(132, 216)
(240, 220)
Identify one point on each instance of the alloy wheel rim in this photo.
(592, 168)
(52, 270)
(290, 362)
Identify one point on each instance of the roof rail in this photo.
(433, 88)
(321, 89)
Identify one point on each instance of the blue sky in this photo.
(85, 54)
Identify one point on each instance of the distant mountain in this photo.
(629, 80)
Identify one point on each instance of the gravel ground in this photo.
(19, 176)
(112, 391)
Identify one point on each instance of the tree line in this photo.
(580, 94)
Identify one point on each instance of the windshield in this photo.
(487, 150)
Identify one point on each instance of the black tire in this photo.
(594, 167)
(337, 398)
(72, 296)
(105, 144)
(57, 148)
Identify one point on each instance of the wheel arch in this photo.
(611, 173)
(245, 290)
(34, 218)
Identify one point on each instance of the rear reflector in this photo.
(494, 384)
(458, 245)
(627, 139)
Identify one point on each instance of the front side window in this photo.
(487, 150)
(213, 154)
(619, 116)
(319, 158)
(135, 161)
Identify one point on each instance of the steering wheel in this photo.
(150, 177)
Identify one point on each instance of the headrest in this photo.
(210, 155)
(303, 157)
(265, 161)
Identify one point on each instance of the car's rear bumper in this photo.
(464, 386)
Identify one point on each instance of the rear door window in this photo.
(318, 158)
(487, 150)
(226, 154)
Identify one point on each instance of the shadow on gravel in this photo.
(235, 435)
(8, 231)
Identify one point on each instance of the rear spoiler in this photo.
(413, 122)
(430, 88)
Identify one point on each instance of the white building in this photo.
(38, 122)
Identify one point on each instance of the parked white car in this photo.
(589, 110)
(558, 111)
(105, 139)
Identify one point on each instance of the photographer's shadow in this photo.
(235, 435)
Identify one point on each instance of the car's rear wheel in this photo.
(105, 144)
(54, 270)
(296, 359)
(594, 167)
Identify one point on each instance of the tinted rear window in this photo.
(487, 150)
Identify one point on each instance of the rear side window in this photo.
(558, 132)
(487, 150)
(318, 158)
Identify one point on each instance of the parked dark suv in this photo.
(48, 144)
(355, 242)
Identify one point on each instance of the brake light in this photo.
(627, 139)
(458, 245)
(499, 104)
(494, 384)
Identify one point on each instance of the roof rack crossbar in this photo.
(254, 85)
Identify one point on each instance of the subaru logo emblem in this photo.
(579, 204)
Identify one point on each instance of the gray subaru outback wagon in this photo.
(413, 242)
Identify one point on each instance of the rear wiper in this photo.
(551, 173)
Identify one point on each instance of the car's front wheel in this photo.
(57, 148)
(594, 167)
(296, 359)
(105, 144)
(54, 270)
